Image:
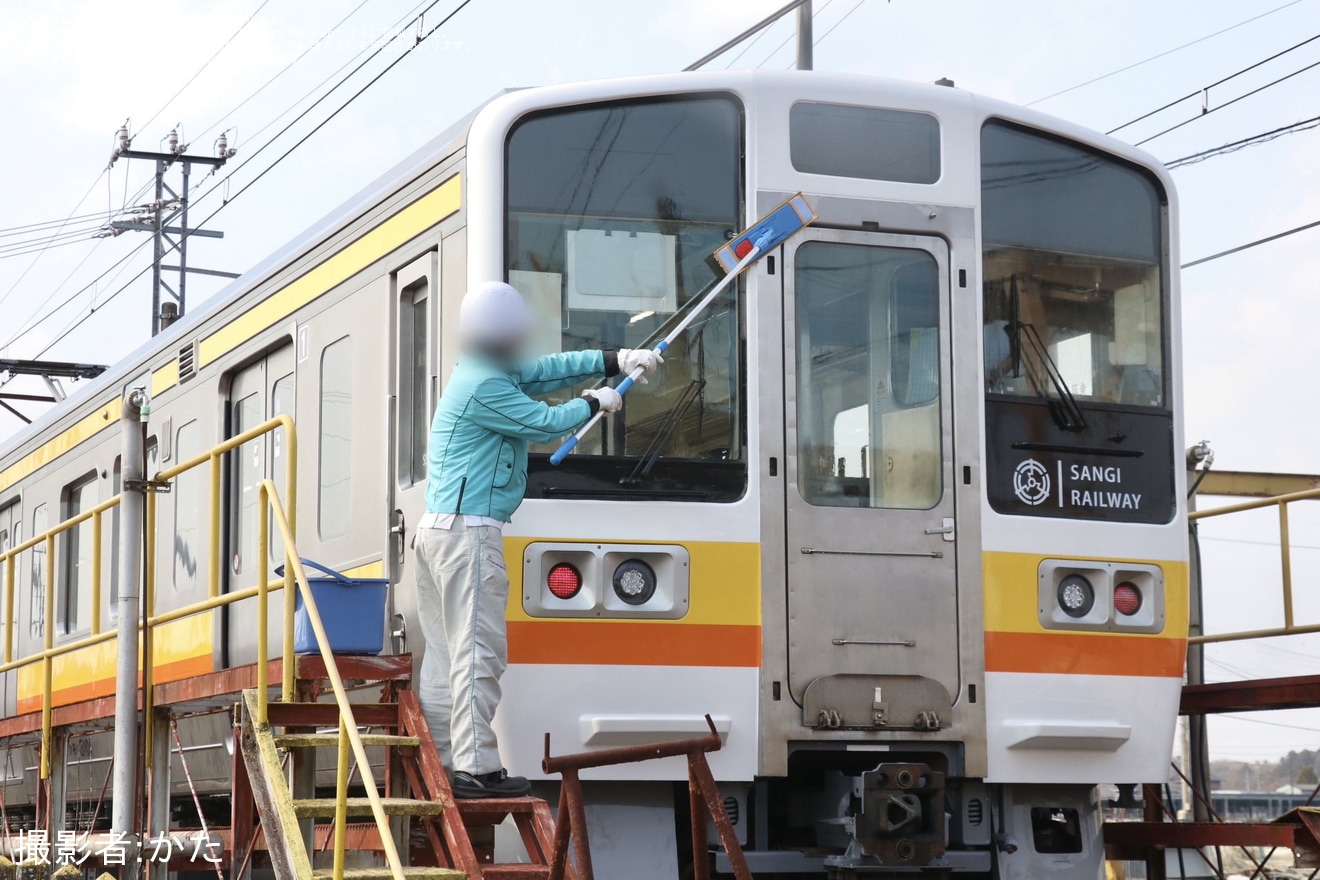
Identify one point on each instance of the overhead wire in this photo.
(1160, 55)
(421, 38)
(399, 27)
(1244, 143)
(205, 65)
(775, 50)
(1219, 82)
(1252, 244)
(283, 70)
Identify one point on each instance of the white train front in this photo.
(903, 512)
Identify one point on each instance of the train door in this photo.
(872, 605)
(412, 401)
(259, 392)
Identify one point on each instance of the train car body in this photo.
(903, 513)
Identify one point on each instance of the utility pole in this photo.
(804, 39)
(168, 207)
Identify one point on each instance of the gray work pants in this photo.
(462, 591)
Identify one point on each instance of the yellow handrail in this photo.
(295, 582)
(1290, 626)
(348, 728)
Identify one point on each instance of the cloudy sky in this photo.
(72, 72)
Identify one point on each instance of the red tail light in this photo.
(564, 580)
(1127, 599)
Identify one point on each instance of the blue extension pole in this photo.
(769, 232)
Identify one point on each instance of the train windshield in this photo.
(612, 211)
(1072, 282)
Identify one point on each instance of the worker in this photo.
(476, 477)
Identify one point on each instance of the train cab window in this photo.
(187, 496)
(335, 489)
(37, 580)
(868, 376)
(613, 210)
(868, 143)
(76, 598)
(1072, 286)
(414, 422)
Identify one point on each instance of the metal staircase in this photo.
(419, 796)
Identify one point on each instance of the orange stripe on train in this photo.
(176, 670)
(1062, 653)
(615, 643)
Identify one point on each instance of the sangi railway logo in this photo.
(1031, 482)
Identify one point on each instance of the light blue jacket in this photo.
(477, 455)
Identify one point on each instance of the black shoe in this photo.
(489, 785)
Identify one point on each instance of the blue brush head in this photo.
(768, 232)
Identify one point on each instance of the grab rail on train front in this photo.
(1290, 626)
(294, 583)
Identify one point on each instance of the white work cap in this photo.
(494, 314)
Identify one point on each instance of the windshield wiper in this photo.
(673, 418)
(1064, 409)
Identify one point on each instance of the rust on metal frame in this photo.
(702, 792)
(1293, 692)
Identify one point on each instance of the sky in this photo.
(72, 72)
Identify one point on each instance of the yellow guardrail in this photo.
(294, 583)
(1290, 626)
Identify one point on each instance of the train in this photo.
(903, 512)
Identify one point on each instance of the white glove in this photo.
(610, 400)
(632, 358)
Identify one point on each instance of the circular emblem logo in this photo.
(1031, 482)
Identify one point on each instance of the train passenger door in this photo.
(872, 604)
(413, 397)
(258, 393)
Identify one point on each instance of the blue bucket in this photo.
(352, 612)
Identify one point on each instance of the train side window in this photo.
(282, 403)
(37, 588)
(868, 376)
(413, 410)
(11, 533)
(248, 471)
(76, 572)
(188, 488)
(335, 462)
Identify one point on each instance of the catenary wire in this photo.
(1160, 55)
(420, 40)
(1229, 103)
(1254, 140)
(1219, 82)
(791, 34)
(285, 69)
(398, 27)
(816, 42)
(200, 70)
(1252, 244)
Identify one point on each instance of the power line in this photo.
(241, 104)
(1205, 113)
(420, 40)
(791, 35)
(200, 70)
(1219, 82)
(247, 159)
(1161, 54)
(1252, 244)
(24, 273)
(816, 42)
(1254, 140)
